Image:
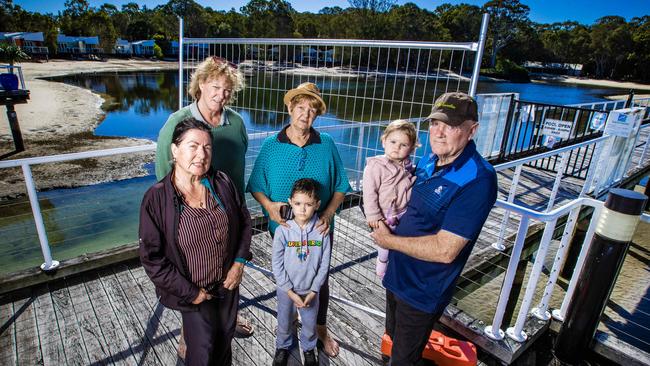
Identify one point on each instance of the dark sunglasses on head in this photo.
(221, 60)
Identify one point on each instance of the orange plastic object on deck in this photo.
(443, 350)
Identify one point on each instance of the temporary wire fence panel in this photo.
(365, 84)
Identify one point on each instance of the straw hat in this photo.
(305, 89)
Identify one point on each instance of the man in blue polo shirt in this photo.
(451, 199)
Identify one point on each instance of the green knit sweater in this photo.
(229, 145)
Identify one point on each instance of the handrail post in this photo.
(558, 179)
(49, 264)
(180, 62)
(494, 331)
(516, 332)
(479, 55)
(506, 215)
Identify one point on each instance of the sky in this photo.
(541, 11)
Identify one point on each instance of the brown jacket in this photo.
(159, 251)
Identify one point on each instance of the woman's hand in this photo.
(234, 276)
(202, 296)
(323, 224)
(273, 208)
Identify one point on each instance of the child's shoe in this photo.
(281, 357)
(310, 358)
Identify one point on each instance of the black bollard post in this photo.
(630, 99)
(615, 228)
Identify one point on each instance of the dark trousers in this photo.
(323, 293)
(209, 331)
(409, 328)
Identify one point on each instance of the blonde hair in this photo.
(212, 68)
(405, 126)
(313, 102)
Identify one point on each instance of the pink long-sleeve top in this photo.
(386, 187)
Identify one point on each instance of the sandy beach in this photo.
(61, 118)
(590, 82)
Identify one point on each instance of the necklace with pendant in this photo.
(186, 193)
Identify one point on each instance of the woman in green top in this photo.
(213, 86)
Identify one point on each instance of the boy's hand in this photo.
(297, 300)
(201, 297)
(309, 298)
(374, 224)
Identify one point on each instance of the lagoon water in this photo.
(87, 219)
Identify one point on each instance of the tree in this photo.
(611, 41)
(507, 17)
(375, 6)
(76, 8)
(269, 18)
(463, 21)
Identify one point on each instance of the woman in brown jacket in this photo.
(195, 235)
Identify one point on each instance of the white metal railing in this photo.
(564, 153)
(25, 164)
(572, 209)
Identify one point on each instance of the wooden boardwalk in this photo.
(111, 315)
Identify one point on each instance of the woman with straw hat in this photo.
(300, 151)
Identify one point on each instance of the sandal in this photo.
(244, 328)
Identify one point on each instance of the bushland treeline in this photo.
(611, 48)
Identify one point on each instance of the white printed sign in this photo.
(557, 128)
(620, 123)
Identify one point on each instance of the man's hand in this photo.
(234, 276)
(297, 300)
(309, 298)
(382, 235)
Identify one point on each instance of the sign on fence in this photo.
(623, 121)
(557, 128)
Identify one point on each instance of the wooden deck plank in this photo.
(116, 343)
(75, 349)
(138, 341)
(28, 349)
(50, 336)
(7, 332)
(92, 333)
(164, 345)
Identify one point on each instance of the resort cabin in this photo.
(32, 43)
(73, 45)
(556, 68)
(312, 56)
(123, 47)
(174, 48)
(143, 48)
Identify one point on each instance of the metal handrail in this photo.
(514, 163)
(494, 330)
(76, 156)
(466, 46)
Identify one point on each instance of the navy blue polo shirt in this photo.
(456, 198)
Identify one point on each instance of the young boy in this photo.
(301, 260)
